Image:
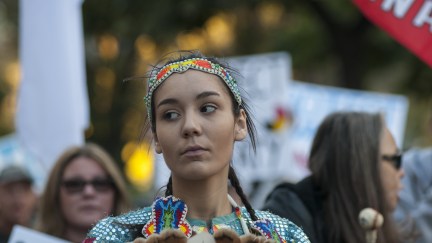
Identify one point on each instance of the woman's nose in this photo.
(191, 125)
(88, 189)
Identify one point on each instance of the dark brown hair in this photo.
(344, 162)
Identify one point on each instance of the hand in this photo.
(226, 236)
(166, 236)
(250, 238)
(230, 236)
(221, 236)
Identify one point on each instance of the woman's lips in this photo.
(193, 151)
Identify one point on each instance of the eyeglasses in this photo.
(78, 185)
(395, 159)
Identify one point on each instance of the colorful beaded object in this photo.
(199, 64)
(167, 213)
(267, 229)
(170, 213)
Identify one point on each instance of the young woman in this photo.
(83, 187)
(355, 164)
(196, 114)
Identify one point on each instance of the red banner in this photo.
(408, 21)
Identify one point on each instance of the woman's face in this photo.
(83, 203)
(390, 175)
(195, 125)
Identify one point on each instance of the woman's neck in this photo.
(205, 200)
(75, 234)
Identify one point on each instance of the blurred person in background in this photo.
(83, 187)
(416, 196)
(354, 164)
(17, 199)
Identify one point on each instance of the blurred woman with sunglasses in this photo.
(83, 187)
(354, 164)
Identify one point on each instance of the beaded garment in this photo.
(139, 223)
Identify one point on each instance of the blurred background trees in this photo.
(330, 43)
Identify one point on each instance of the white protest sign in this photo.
(311, 103)
(265, 80)
(286, 114)
(22, 234)
(282, 153)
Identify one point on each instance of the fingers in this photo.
(226, 236)
(220, 236)
(140, 240)
(166, 236)
(172, 236)
(250, 238)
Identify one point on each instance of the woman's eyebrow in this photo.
(167, 101)
(207, 94)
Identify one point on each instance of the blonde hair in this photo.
(50, 218)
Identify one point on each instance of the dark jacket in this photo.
(300, 203)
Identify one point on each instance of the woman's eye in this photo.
(208, 108)
(170, 115)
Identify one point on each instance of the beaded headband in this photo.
(199, 64)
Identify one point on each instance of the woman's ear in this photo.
(158, 148)
(240, 128)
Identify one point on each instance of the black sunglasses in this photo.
(395, 159)
(77, 185)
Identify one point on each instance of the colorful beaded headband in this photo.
(200, 64)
